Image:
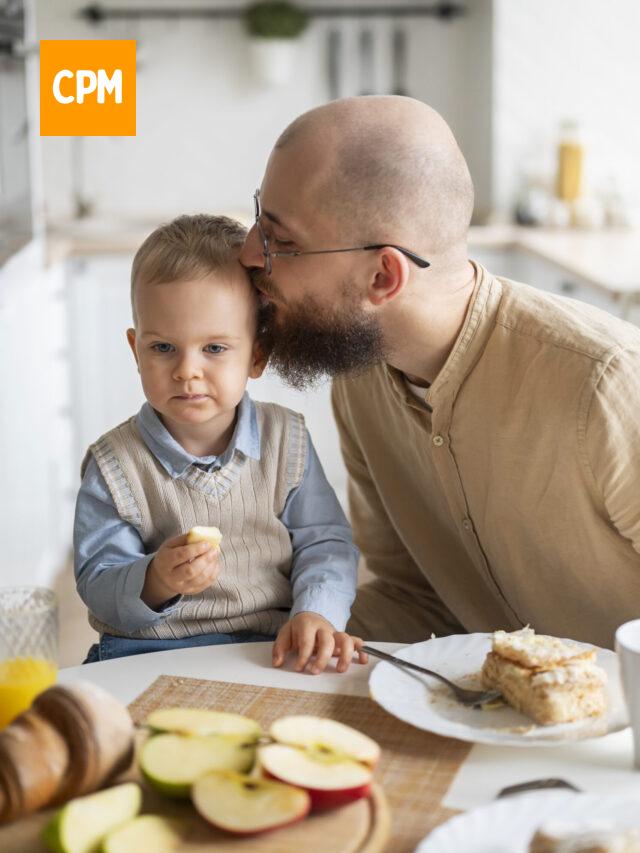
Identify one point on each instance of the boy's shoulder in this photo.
(276, 410)
(124, 431)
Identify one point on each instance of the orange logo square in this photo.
(87, 87)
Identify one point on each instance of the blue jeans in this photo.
(120, 647)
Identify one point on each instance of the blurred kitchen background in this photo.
(541, 94)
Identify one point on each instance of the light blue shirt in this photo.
(110, 557)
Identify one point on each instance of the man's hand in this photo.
(180, 569)
(310, 634)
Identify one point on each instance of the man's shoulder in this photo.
(564, 323)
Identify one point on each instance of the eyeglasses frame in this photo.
(267, 254)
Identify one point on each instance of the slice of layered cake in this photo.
(559, 836)
(547, 679)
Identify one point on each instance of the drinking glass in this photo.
(28, 647)
(628, 649)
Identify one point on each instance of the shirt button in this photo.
(466, 523)
(438, 440)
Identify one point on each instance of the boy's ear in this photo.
(259, 361)
(131, 337)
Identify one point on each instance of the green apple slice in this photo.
(80, 825)
(243, 805)
(172, 763)
(200, 721)
(148, 833)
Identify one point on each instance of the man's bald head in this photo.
(386, 169)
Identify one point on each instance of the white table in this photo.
(598, 765)
(241, 663)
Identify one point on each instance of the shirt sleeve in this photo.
(611, 431)
(325, 560)
(110, 561)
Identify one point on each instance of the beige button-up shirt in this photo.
(511, 496)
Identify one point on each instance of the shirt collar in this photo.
(176, 460)
(476, 330)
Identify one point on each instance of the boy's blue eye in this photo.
(162, 347)
(215, 349)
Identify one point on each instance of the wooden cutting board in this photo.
(413, 775)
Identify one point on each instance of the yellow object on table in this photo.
(21, 680)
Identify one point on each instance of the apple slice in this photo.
(204, 534)
(330, 778)
(333, 762)
(321, 732)
(171, 763)
(199, 721)
(245, 806)
(146, 834)
(79, 826)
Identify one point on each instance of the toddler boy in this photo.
(200, 452)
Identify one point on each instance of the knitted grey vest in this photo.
(244, 499)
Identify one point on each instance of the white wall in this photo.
(559, 59)
(205, 126)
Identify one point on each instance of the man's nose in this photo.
(251, 253)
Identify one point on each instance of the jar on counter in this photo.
(570, 163)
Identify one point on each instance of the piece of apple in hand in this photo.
(171, 763)
(201, 721)
(79, 826)
(204, 534)
(331, 761)
(246, 805)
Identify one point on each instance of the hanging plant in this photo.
(275, 19)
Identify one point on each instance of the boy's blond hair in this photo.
(188, 247)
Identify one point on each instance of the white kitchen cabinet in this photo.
(35, 430)
(105, 383)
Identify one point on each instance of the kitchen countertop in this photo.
(607, 259)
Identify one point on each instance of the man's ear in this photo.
(390, 276)
(131, 337)
(259, 359)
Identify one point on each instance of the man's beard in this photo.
(309, 342)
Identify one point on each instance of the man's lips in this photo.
(191, 397)
(263, 293)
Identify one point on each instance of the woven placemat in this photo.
(416, 767)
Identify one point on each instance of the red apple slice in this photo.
(330, 760)
(329, 735)
(332, 779)
(243, 805)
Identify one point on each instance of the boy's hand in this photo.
(180, 569)
(311, 634)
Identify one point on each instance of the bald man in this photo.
(490, 430)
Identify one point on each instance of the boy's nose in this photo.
(187, 368)
(251, 253)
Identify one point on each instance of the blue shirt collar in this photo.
(176, 460)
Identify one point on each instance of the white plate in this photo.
(507, 825)
(427, 704)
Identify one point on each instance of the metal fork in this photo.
(471, 698)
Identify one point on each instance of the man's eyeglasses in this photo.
(268, 254)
